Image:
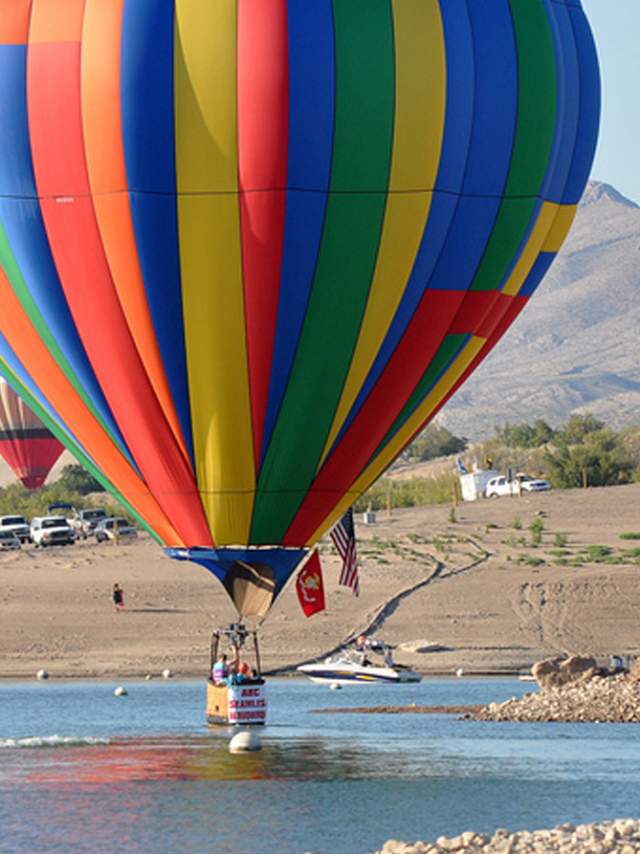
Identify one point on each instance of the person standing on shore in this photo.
(117, 597)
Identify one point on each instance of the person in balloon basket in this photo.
(220, 670)
(117, 597)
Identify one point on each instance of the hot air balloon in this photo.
(25, 443)
(249, 248)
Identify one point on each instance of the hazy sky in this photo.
(616, 25)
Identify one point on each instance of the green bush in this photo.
(76, 479)
(560, 541)
(536, 528)
(416, 492)
(517, 523)
(630, 535)
(596, 554)
(435, 441)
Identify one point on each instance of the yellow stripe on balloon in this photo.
(381, 462)
(548, 234)
(565, 214)
(417, 143)
(211, 263)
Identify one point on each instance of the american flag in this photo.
(344, 539)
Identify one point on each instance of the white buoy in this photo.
(459, 672)
(167, 674)
(42, 674)
(245, 741)
(148, 677)
(120, 691)
(335, 686)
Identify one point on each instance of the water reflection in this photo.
(207, 758)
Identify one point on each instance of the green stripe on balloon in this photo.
(365, 95)
(533, 143)
(20, 289)
(72, 446)
(445, 356)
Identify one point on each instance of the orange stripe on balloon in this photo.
(263, 117)
(44, 371)
(56, 21)
(14, 21)
(104, 148)
(55, 125)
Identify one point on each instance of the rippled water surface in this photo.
(81, 770)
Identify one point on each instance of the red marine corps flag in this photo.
(310, 587)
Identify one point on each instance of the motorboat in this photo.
(368, 662)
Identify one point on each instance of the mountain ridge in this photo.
(574, 347)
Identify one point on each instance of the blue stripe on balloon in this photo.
(568, 107)
(22, 222)
(16, 171)
(148, 135)
(589, 99)
(494, 119)
(311, 120)
(460, 94)
(537, 273)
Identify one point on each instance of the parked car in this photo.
(83, 522)
(86, 521)
(51, 531)
(8, 540)
(498, 486)
(533, 484)
(109, 529)
(18, 525)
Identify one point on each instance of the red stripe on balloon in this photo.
(55, 125)
(424, 335)
(263, 128)
(494, 327)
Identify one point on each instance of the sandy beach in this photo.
(483, 594)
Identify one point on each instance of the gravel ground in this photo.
(621, 836)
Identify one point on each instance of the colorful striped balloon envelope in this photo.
(249, 248)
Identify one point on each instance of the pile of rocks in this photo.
(603, 699)
(621, 836)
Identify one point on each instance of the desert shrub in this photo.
(630, 535)
(536, 528)
(517, 523)
(531, 560)
(560, 541)
(596, 554)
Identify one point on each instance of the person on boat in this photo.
(361, 646)
(220, 670)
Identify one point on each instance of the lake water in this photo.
(82, 770)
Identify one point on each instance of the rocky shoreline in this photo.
(621, 836)
(601, 699)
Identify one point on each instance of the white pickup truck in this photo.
(51, 531)
(498, 486)
(17, 525)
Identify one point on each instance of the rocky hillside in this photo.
(575, 348)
